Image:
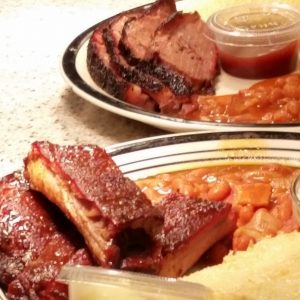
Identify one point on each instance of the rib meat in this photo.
(92, 192)
(35, 241)
(191, 227)
(37, 281)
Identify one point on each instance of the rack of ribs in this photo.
(115, 218)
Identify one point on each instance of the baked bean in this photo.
(259, 194)
(270, 101)
(218, 191)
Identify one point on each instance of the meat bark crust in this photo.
(99, 67)
(35, 241)
(174, 50)
(167, 101)
(90, 189)
(191, 227)
(180, 46)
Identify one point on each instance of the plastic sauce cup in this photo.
(256, 41)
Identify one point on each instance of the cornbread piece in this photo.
(191, 227)
(268, 270)
(33, 232)
(92, 192)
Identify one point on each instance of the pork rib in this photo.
(90, 189)
(35, 241)
(191, 227)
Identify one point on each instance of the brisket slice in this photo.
(35, 241)
(166, 100)
(99, 67)
(178, 54)
(190, 228)
(106, 207)
(179, 45)
(138, 33)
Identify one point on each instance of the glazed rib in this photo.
(191, 227)
(35, 241)
(92, 192)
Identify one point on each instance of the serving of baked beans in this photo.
(267, 102)
(259, 194)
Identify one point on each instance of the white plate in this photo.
(74, 70)
(151, 156)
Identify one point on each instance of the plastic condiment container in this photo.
(256, 41)
(96, 283)
(295, 191)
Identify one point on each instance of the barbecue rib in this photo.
(191, 227)
(106, 207)
(35, 241)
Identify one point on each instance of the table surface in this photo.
(35, 102)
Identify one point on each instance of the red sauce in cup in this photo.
(256, 40)
(272, 64)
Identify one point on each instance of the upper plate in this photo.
(74, 70)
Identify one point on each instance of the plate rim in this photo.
(200, 136)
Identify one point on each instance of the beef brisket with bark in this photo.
(154, 57)
(181, 53)
(138, 33)
(167, 101)
(105, 74)
(174, 50)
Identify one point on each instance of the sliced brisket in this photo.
(138, 33)
(166, 100)
(154, 57)
(108, 78)
(180, 47)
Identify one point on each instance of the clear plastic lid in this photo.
(259, 24)
(295, 190)
(97, 283)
